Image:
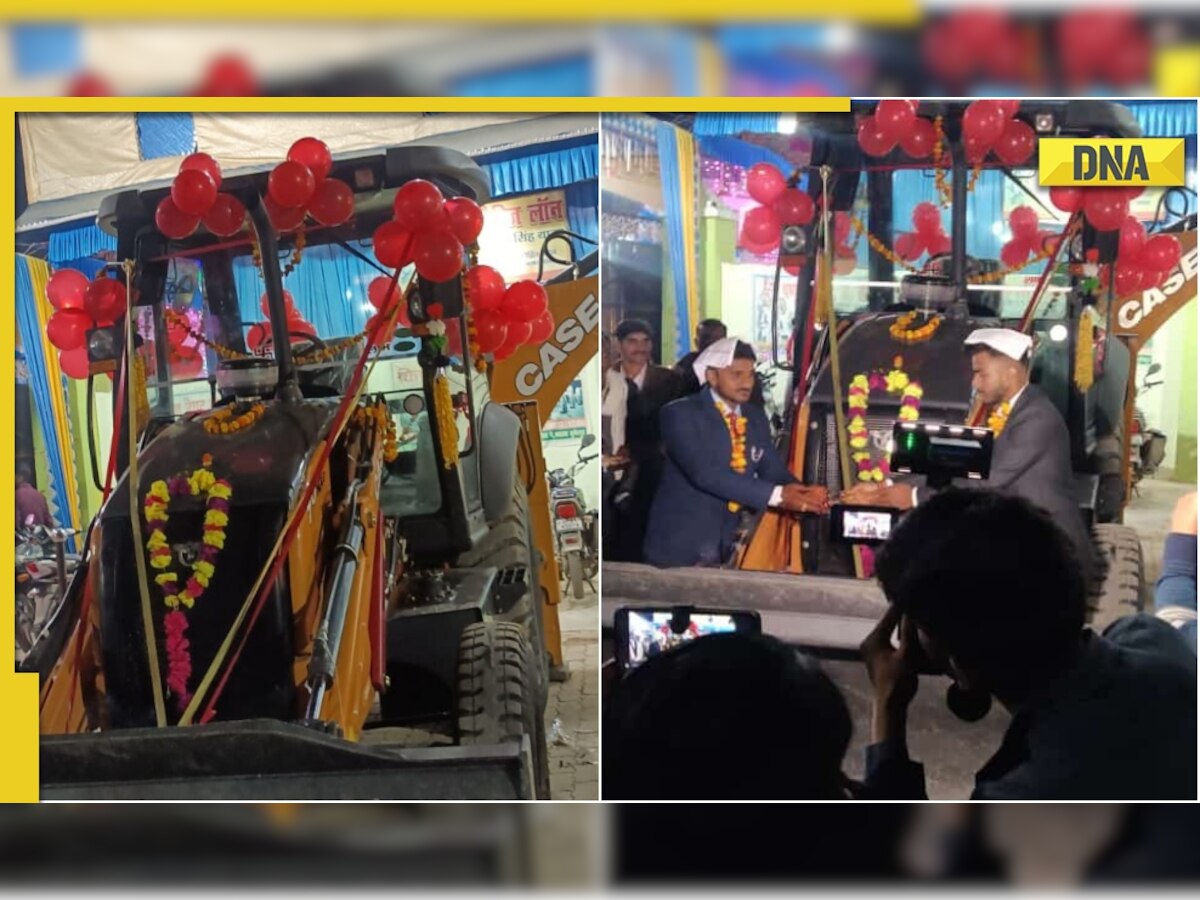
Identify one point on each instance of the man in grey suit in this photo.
(1031, 457)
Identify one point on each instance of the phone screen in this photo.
(866, 525)
(649, 632)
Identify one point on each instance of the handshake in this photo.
(814, 499)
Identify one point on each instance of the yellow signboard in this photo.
(1111, 162)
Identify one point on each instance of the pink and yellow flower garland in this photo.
(737, 443)
(217, 492)
(861, 385)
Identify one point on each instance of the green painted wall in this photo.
(1183, 355)
(718, 241)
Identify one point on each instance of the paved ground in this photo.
(1150, 515)
(573, 707)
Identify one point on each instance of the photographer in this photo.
(726, 717)
(988, 589)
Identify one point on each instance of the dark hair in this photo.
(744, 351)
(628, 327)
(727, 716)
(24, 472)
(994, 580)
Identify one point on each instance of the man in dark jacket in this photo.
(720, 458)
(1031, 457)
(708, 332)
(987, 588)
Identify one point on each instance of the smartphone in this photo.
(643, 632)
(862, 524)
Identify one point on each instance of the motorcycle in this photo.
(43, 570)
(1147, 446)
(574, 524)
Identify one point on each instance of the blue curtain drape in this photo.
(733, 124)
(583, 213)
(70, 244)
(521, 171)
(673, 214)
(330, 289)
(39, 388)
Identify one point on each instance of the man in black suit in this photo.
(694, 518)
(1031, 457)
(648, 389)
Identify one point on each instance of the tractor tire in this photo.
(496, 698)
(1122, 591)
(575, 575)
(509, 543)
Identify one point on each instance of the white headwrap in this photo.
(716, 355)
(1013, 344)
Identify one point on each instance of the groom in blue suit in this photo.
(720, 459)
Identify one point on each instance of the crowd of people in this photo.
(988, 584)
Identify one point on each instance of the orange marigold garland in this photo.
(998, 417)
(228, 420)
(895, 381)
(217, 493)
(737, 444)
(902, 331)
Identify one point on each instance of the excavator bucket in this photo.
(266, 759)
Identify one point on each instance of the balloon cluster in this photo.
(976, 42)
(1103, 45)
(1026, 239)
(895, 122)
(1143, 262)
(79, 306)
(927, 235)
(428, 231)
(992, 126)
(507, 317)
(296, 323)
(781, 206)
(226, 75)
(195, 197)
(1104, 208)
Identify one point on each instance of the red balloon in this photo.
(465, 218)
(226, 216)
(1161, 253)
(1068, 199)
(104, 299)
(202, 162)
(228, 76)
(172, 221)
(74, 363)
(384, 336)
(289, 304)
(909, 245)
(1132, 240)
(503, 352)
(872, 139)
(485, 288)
(257, 334)
(284, 218)
(490, 331)
(1015, 253)
(67, 328)
(518, 334)
(1128, 279)
(974, 150)
(1129, 61)
(66, 289)
(524, 301)
(1024, 222)
(794, 207)
(1105, 208)
(418, 204)
(541, 328)
(437, 254)
(1152, 278)
(918, 141)
(1016, 143)
(761, 228)
(765, 183)
(1008, 107)
(313, 155)
(984, 120)
(378, 290)
(291, 184)
(927, 219)
(893, 118)
(89, 85)
(945, 54)
(332, 202)
(393, 245)
(939, 244)
(194, 192)
(791, 264)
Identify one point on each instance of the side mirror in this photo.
(588, 440)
